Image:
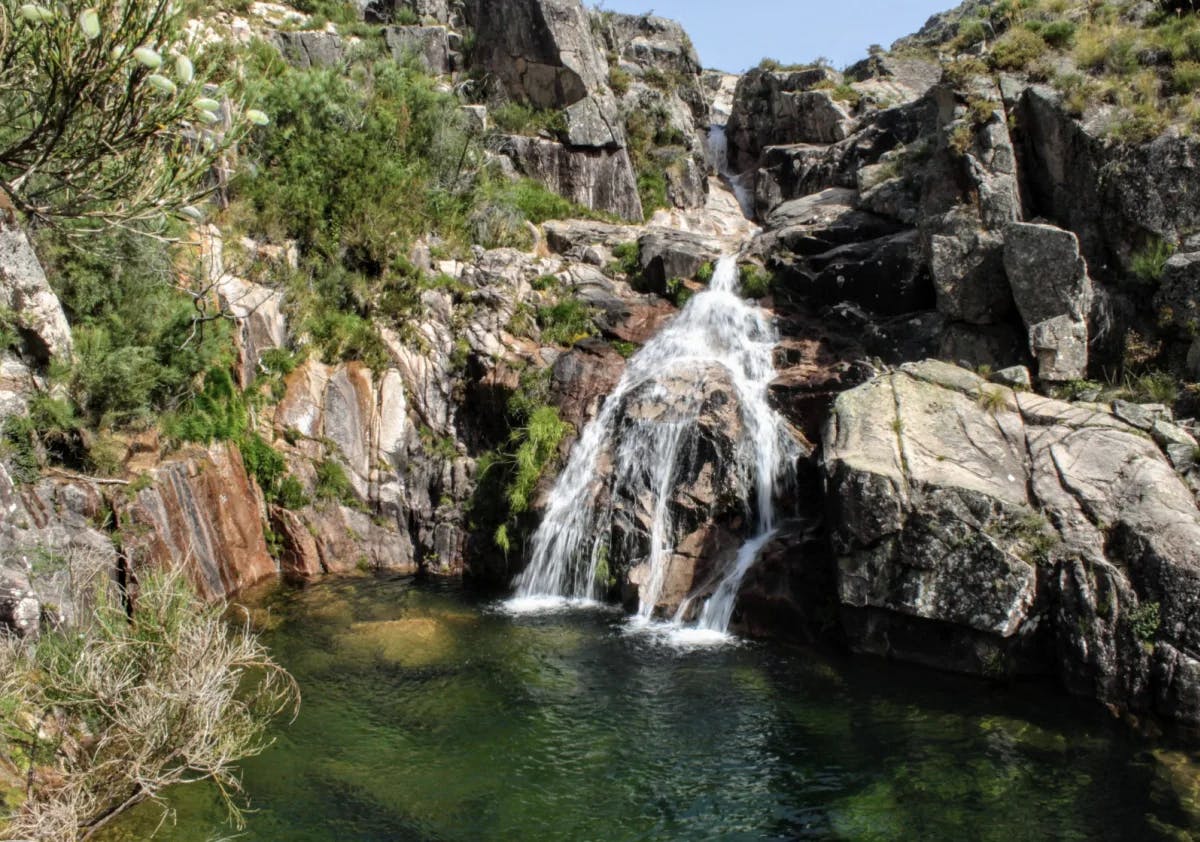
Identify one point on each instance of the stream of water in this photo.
(430, 715)
(716, 330)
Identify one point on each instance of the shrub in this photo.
(536, 446)
(1017, 49)
(619, 81)
(566, 322)
(269, 469)
(1144, 621)
(519, 118)
(1185, 77)
(94, 129)
(756, 281)
(1149, 262)
(333, 485)
(111, 714)
(1059, 34)
(141, 343)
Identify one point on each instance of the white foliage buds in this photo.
(34, 13)
(148, 57)
(206, 104)
(207, 118)
(89, 22)
(257, 117)
(184, 70)
(162, 83)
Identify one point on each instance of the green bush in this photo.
(1144, 620)
(519, 118)
(269, 469)
(140, 343)
(1149, 262)
(756, 281)
(1017, 49)
(1059, 34)
(566, 322)
(333, 484)
(218, 412)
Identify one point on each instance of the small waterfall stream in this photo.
(716, 330)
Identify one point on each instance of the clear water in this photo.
(430, 716)
(718, 331)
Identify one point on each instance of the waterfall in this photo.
(718, 149)
(717, 331)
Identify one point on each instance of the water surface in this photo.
(428, 715)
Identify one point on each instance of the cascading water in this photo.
(717, 331)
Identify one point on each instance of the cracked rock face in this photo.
(1027, 532)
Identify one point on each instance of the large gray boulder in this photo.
(310, 49)
(666, 254)
(1178, 298)
(967, 265)
(992, 531)
(542, 52)
(26, 295)
(601, 179)
(1111, 194)
(1053, 294)
(431, 46)
(774, 108)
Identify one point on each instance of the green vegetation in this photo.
(756, 281)
(518, 118)
(566, 322)
(991, 400)
(94, 122)
(141, 342)
(1145, 620)
(1145, 66)
(655, 148)
(269, 469)
(333, 485)
(508, 476)
(1148, 263)
(78, 708)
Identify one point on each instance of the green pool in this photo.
(430, 715)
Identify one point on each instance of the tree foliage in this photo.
(103, 119)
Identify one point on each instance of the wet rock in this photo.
(884, 275)
(666, 255)
(707, 519)
(583, 378)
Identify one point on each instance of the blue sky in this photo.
(734, 35)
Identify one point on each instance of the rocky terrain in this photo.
(971, 354)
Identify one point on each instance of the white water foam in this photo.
(717, 328)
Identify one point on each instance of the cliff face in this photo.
(908, 211)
